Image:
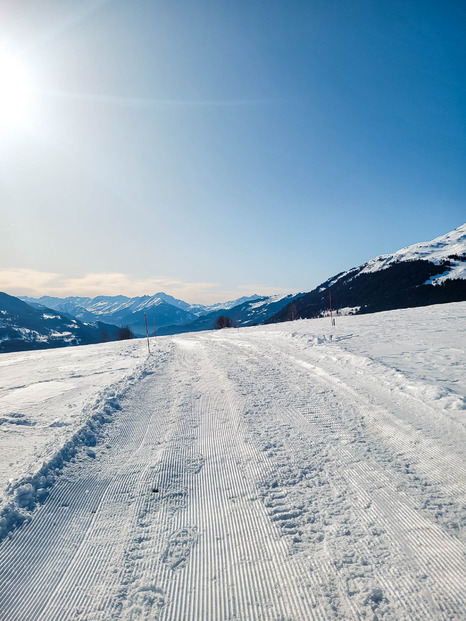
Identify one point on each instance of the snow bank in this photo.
(51, 403)
(422, 348)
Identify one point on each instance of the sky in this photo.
(212, 149)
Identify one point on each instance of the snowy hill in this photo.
(24, 327)
(448, 250)
(293, 471)
(425, 273)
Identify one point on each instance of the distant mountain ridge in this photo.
(122, 310)
(37, 323)
(204, 310)
(424, 273)
(118, 307)
(24, 327)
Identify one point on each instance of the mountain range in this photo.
(24, 327)
(121, 310)
(425, 273)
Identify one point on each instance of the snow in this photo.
(49, 397)
(31, 335)
(105, 305)
(269, 300)
(440, 249)
(437, 250)
(289, 471)
(226, 305)
(345, 310)
(458, 271)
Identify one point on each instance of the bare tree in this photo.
(104, 336)
(124, 333)
(223, 322)
(292, 312)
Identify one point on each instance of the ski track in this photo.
(250, 478)
(432, 582)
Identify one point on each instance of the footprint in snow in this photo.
(145, 602)
(179, 547)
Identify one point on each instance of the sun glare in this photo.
(15, 92)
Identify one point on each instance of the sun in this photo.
(15, 92)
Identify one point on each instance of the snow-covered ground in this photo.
(50, 402)
(285, 472)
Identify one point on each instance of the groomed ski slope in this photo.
(288, 472)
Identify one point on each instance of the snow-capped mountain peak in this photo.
(425, 273)
(451, 246)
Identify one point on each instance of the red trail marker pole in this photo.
(331, 315)
(147, 332)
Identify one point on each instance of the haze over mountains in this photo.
(424, 273)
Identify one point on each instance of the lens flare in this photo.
(15, 92)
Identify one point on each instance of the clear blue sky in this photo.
(214, 148)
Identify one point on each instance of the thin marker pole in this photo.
(155, 331)
(237, 323)
(147, 332)
(331, 315)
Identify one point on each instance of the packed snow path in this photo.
(247, 476)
